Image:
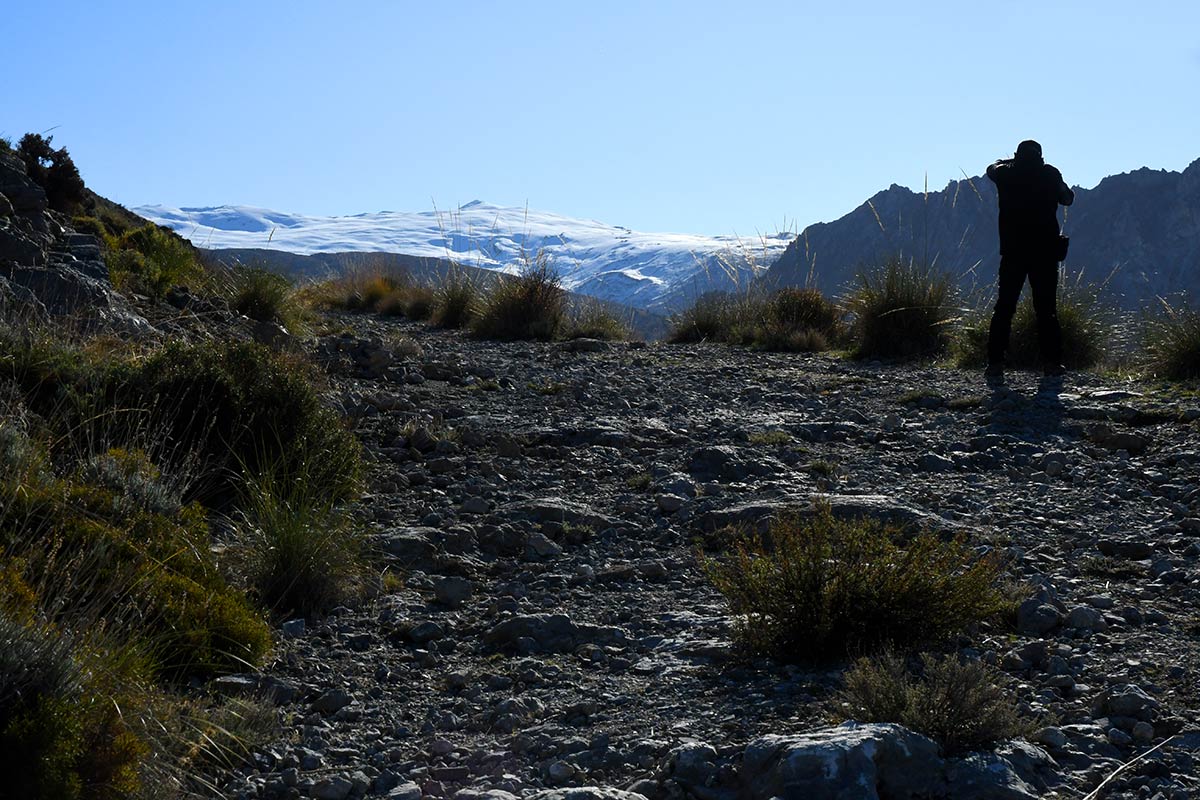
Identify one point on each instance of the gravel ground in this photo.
(541, 504)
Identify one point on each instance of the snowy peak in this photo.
(655, 271)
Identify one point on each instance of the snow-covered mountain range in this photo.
(655, 271)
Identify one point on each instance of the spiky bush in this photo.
(900, 310)
(957, 703)
(303, 553)
(456, 301)
(818, 587)
(593, 320)
(706, 320)
(1172, 343)
(788, 320)
(263, 295)
(531, 305)
(418, 303)
(1084, 315)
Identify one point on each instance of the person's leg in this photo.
(1012, 278)
(1043, 283)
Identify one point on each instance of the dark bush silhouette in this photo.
(53, 170)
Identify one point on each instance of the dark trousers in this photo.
(1042, 273)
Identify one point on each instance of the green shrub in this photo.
(241, 407)
(90, 225)
(151, 259)
(901, 310)
(593, 320)
(531, 305)
(227, 406)
(825, 587)
(85, 553)
(264, 295)
(303, 553)
(956, 703)
(805, 309)
(1084, 316)
(706, 320)
(788, 320)
(1172, 343)
(456, 301)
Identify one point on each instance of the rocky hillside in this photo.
(542, 504)
(1141, 227)
(46, 267)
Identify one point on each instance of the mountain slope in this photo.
(654, 271)
(1141, 227)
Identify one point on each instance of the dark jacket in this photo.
(1030, 193)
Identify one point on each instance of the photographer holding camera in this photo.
(1031, 246)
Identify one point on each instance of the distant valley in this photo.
(1138, 231)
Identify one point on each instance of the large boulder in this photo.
(25, 196)
(856, 761)
(849, 762)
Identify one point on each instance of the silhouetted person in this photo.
(1030, 193)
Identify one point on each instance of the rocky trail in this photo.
(549, 627)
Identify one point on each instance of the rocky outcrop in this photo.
(46, 268)
(1139, 231)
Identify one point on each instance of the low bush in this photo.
(263, 295)
(531, 305)
(151, 260)
(82, 551)
(1084, 315)
(592, 320)
(303, 554)
(53, 170)
(788, 320)
(456, 301)
(226, 406)
(1172, 343)
(819, 587)
(707, 320)
(238, 406)
(418, 303)
(368, 288)
(956, 703)
(901, 310)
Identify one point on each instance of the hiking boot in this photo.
(1054, 370)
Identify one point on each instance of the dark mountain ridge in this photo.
(1139, 231)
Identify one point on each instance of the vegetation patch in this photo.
(818, 588)
(1084, 314)
(901, 311)
(303, 554)
(593, 320)
(957, 703)
(788, 320)
(263, 295)
(769, 438)
(532, 305)
(1172, 344)
(456, 301)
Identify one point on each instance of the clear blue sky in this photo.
(696, 116)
